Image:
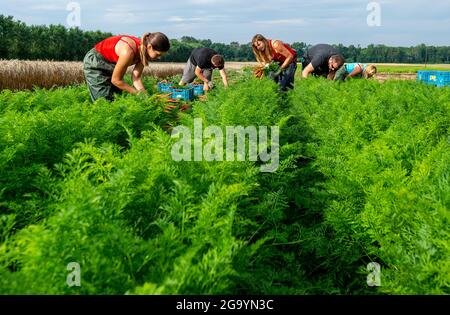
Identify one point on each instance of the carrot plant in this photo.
(363, 177)
(383, 151)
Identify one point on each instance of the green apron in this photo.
(98, 73)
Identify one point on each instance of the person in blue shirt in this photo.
(355, 70)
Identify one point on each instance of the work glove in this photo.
(210, 85)
(275, 75)
(279, 73)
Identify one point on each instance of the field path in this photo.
(396, 76)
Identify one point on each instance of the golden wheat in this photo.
(162, 69)
(20, 75)
(24, 75)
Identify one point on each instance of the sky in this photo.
(357, 22)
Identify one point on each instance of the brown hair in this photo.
(339, 59)
(266, 55)
(371, 70)
(218, 60)
(157, 40)
(331, 75)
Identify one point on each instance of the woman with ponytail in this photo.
(106, 64)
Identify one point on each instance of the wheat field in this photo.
(24, 75)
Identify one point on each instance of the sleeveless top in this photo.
(349, 67)
(279, 57)
(107, 47)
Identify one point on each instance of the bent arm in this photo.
(307, 71)
(137, 77)
(279, 48)
(125, 59)
(199, 74)
(356, 71)
(223, 74)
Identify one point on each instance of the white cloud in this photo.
(206, 2)
(330, 21)
(48, 7)
(123, 14)
(178, 19)
(282, 22)
(205, 18)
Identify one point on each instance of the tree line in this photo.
(56, 42)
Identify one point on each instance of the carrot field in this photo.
(26, 75)
(363, 177)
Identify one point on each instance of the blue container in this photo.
(184, 94)
(165, 87)
(437, 78)
(198, 89)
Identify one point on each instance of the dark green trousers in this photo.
(341, 74)
(98, 73)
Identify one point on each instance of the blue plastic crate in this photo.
(437, 78)
(184, 94)
(198, 89)
(164, 87)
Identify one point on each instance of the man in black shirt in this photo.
(201, 64)
(321, 60)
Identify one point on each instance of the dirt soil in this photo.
(396, 76)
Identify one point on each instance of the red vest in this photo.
(279, 57)
(107, 47)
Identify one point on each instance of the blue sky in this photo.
(403, 22)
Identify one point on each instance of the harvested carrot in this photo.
(163, 95)
(184, 107)
(258, 72)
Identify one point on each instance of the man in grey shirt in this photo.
(321, 60)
